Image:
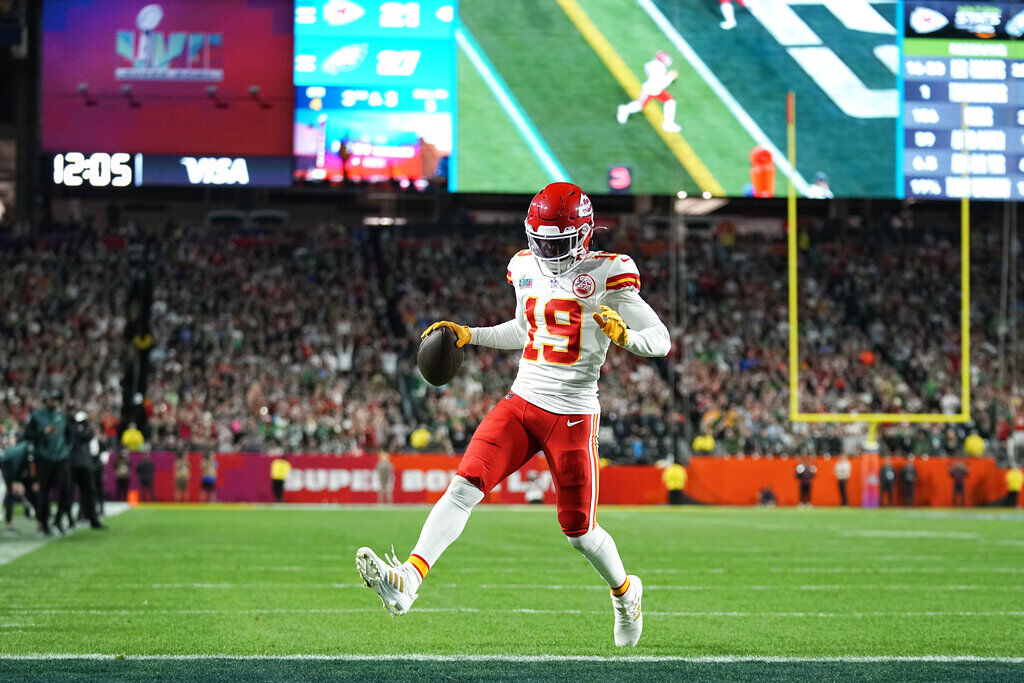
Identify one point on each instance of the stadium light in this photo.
(211, 92)
(254, 93)
(126, 90)
(83, 90)
(681, 194)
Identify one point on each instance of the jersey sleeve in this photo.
(622, 274)
(510, 271)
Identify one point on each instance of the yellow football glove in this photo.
(461, 331)
(611, 324)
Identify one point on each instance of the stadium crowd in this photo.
(279, 343)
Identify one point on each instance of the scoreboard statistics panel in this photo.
(963, 101)
(374, 90)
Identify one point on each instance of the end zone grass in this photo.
(809, 586)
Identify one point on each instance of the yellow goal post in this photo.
(874, 419)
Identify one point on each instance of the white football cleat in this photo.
(621, 114)
(670, 127)
(388, 578)
(629, 618)
(728, 24)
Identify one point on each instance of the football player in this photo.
(659, 77)
(571, 304)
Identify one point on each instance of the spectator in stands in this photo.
(534, 488)
(805, 472)
(887, 482)
(279, 469)
(208, 482)
(182, 475)
(146, 471)
(385, 475)
(1014, 483)
(122, 476)
(843, 470)
(958, 473)
(255, 350)
(674, 478)
(908, 481)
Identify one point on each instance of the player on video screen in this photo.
(659, 77)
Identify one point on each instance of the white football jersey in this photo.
(563, 349)
(658, 78)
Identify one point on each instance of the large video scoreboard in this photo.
(963, 100)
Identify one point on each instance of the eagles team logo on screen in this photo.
(154, 55)
(584, 285)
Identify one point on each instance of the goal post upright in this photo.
(873, 420)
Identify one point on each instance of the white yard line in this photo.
(715, 659)
(28, 612)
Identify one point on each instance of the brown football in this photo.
(438, 357)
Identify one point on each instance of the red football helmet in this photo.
(664, 57)
(559, 225)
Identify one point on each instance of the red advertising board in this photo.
(423, 478)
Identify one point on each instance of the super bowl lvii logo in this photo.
(153, 55)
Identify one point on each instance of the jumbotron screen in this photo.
(644, 96)
(190, 92)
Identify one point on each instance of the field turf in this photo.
(224, 592)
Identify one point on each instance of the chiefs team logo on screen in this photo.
(152, 55)
(583, 286)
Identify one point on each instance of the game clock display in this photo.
(74, 169)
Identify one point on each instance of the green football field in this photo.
(227, 592)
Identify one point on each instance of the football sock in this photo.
(445, 522)
(621, 590)
(728, 13)
(633, 107)
(670, 111)
(598, 547)
(419, 569)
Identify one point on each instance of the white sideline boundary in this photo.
(527, 130)
(19, 546)
(154, 612)
(416, 657)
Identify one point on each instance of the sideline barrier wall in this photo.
(423, 478)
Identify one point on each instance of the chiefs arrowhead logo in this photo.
(583, 286)
(585, 207)
(926, 20)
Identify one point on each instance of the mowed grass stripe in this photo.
(65, 588)
(570, 96)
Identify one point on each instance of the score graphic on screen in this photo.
(963, 104)
(374, 90)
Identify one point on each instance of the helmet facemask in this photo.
(558, 253)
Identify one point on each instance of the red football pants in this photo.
(663, 96)
(514, 431)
